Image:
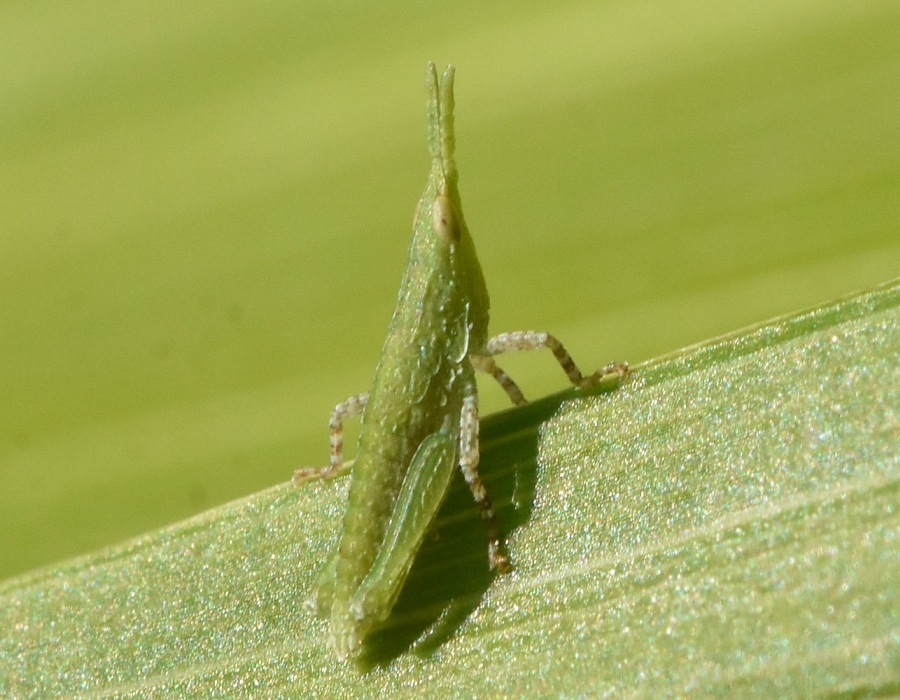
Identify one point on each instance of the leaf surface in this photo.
(724, 523)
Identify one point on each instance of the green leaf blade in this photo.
(724, 523)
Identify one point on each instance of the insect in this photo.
(420, 417)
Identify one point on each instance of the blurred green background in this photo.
(204, 213)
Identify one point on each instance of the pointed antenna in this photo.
(448, 139)
(433, 111)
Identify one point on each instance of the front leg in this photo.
(535, 340)
(486, 364)
(353, 406)
(469, 456)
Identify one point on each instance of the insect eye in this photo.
(443, 217)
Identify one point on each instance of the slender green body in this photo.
(416, 395)
(420, 418)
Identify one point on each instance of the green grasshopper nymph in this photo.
(420, 418)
